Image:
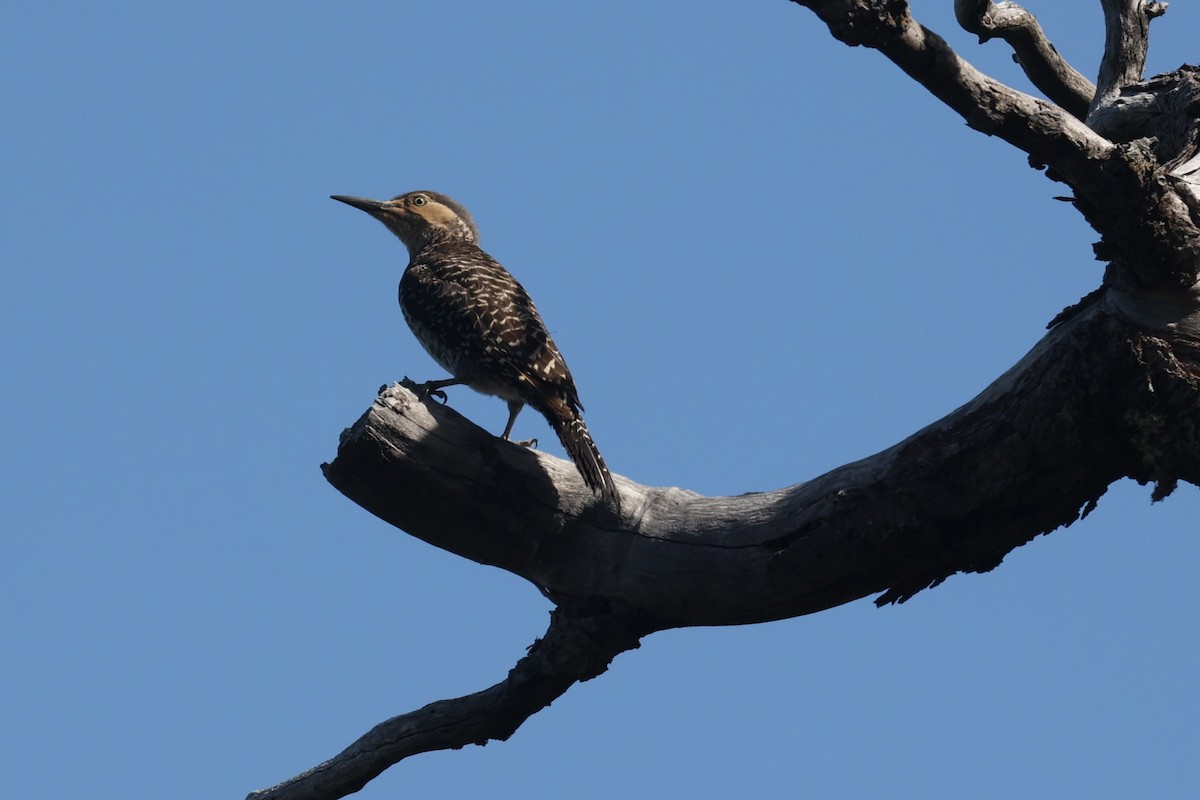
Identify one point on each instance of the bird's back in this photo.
(480, 324)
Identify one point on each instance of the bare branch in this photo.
(1049, 134)
(1040, 60)
(1097, 170)
(579, 645)
(1020, 460)
(1126, 40)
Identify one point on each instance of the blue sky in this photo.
(763, 254)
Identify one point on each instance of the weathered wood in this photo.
(1111, 393)
(1040, 60)
(1023, 458)
(1126, 41)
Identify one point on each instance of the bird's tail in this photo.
(564, 418)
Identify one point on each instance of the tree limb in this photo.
(1038, 445)
(1126, 40)
(1051, 136)
(578, 646)
(1111, 393)
(1122, 190)
(1040, 60)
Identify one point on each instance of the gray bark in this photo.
(1045, 68)
(1023, 458)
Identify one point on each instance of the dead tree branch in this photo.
(1112, 393)
(1050, 135)
(1122, 190)
(1040, 60)
(1023, 458)
(1126, 40)
(1118, 109)
(579, 645)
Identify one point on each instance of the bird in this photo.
(477, 321)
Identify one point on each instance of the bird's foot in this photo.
(431, 389)
(530, 443)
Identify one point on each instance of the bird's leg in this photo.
(514, 408)
(434, 388)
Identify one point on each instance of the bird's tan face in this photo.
(419, 218)
(432, 213)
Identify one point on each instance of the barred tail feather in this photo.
(573, 434)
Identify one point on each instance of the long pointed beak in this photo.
(372, 207)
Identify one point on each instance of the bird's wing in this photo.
(478, 308)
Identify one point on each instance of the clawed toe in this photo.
(431, 389)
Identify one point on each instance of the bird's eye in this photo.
(419, 200)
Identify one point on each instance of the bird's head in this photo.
(419, 218)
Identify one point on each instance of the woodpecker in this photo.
(476, 321)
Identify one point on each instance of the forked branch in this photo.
(1049, 134)
(1109, 393)
(1040, 60)
(1122, 190)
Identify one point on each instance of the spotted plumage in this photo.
(479, 324)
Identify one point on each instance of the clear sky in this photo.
(764, 254)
